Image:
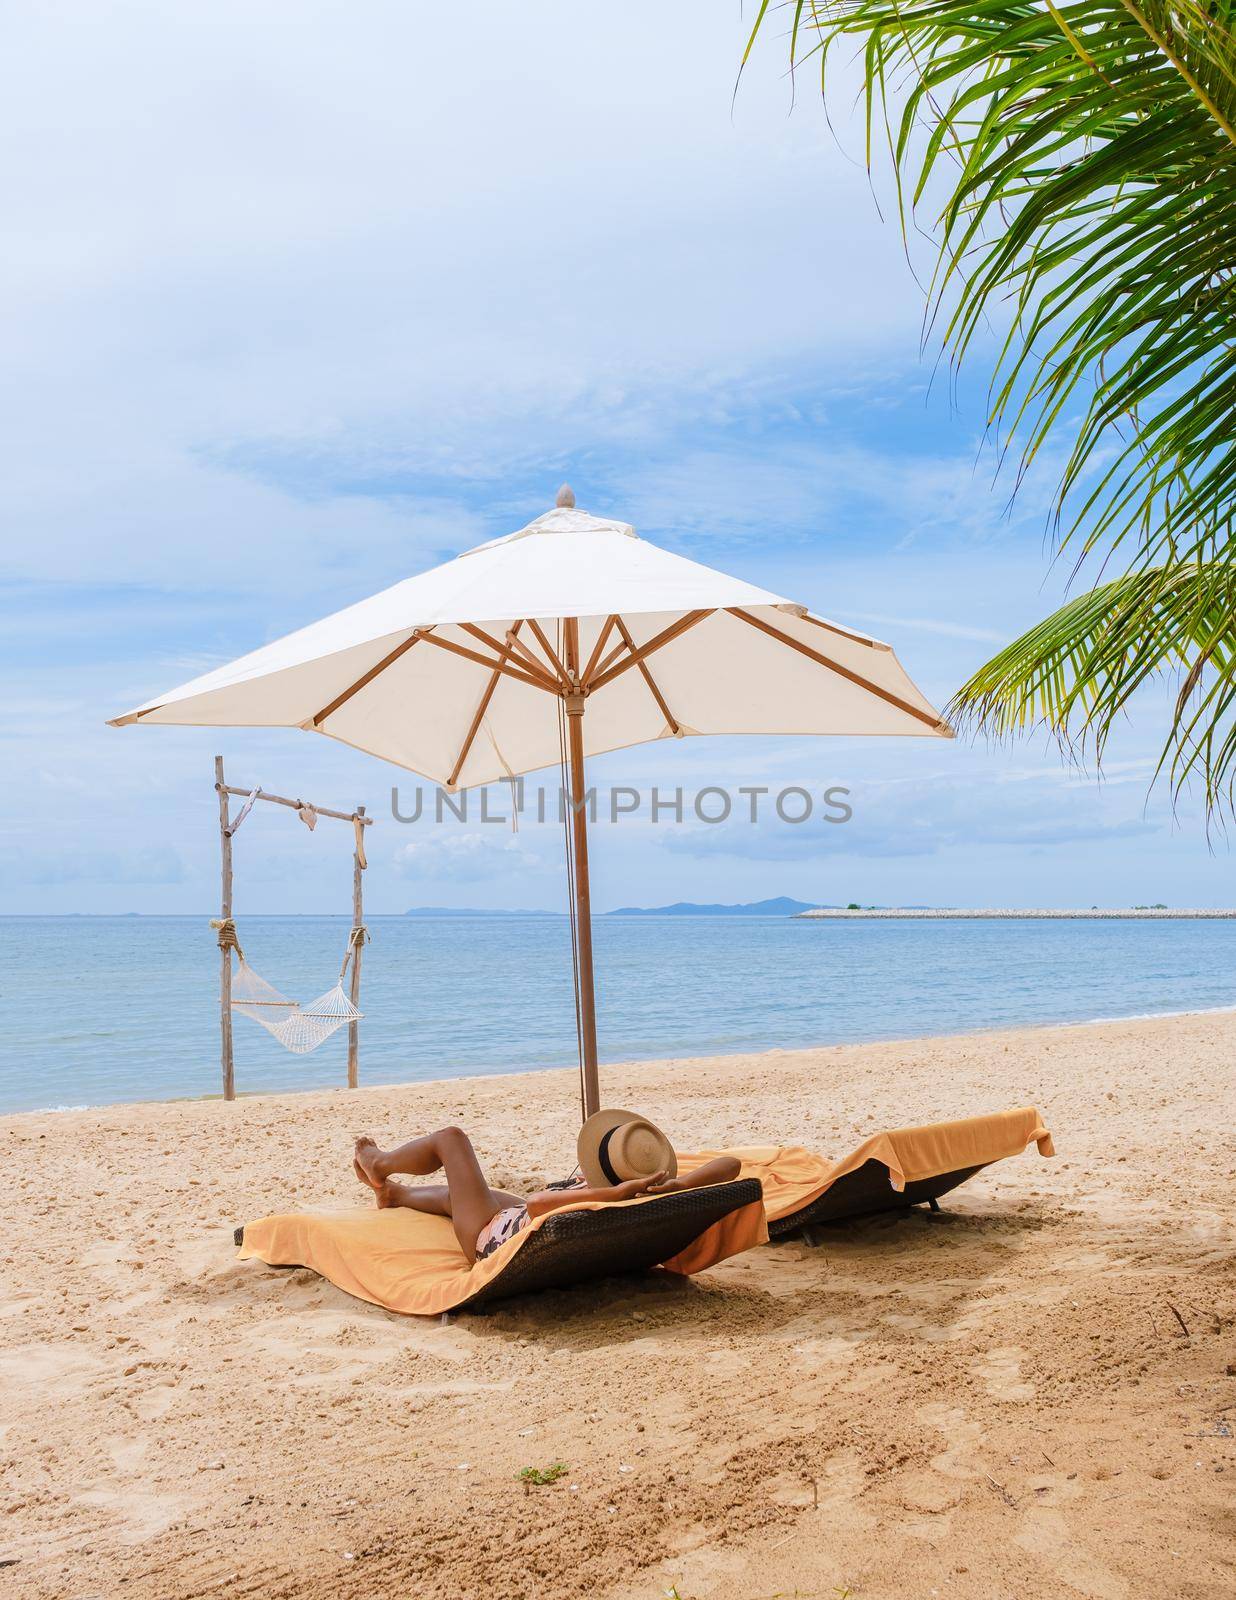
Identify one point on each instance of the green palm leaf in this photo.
(1080, 666)
(1078, 164)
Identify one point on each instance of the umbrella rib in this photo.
(929, 718)
(481, 709)
(502, 666)
(504, 653)
(648, 678)
(366, 678)
(530, 657)
(843, 633)
(657, 641)
(599, 646)
(531, 660)
(605, 665)
(132, 717)
(563, 676)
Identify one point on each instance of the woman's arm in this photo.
(555, 1199)
(721, 1169)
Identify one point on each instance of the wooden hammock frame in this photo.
(228, 824)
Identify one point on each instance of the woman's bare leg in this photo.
(434, 1198)
(468, 1200)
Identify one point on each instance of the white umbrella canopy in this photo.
(457, 673)
(572, 631)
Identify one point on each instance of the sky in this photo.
(304, 299)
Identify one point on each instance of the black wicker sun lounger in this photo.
(573, 1247)
(893, 1169)
(865, 1192)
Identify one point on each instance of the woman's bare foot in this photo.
(385, 1190)
(364, 1163)
(394, 1194)
(386, 1194)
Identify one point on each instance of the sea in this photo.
(99, 1010)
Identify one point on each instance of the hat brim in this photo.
(592, 1135)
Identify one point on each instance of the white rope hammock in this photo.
(298, 1028)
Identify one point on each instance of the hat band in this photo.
(603, 1160)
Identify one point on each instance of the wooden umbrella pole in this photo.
(225, 952)
(357, 939)
(574, 704)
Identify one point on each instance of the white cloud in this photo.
(464, 857)
(404, 246)
(88, 866)
(947, 629)
(935, 812)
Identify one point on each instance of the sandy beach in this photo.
(1032, 1394)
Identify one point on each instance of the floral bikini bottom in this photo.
(506, 1223)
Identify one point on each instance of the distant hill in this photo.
(782, 906)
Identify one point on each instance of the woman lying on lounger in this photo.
(621, 1156)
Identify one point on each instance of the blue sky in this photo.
(306, 299)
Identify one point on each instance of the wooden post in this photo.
(225, 956)
(583, 902)
(354, 985)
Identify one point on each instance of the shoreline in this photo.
(471, 1079)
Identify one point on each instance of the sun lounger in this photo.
(866, 1191)
(891, 1171)
(411, 1262)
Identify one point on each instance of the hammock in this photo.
(298, 1028)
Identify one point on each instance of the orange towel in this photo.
(409, 1261)
(793, 1177)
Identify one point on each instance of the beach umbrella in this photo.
(568, 638)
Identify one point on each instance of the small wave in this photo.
(1149, 1016)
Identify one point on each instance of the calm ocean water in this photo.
(102, 1009)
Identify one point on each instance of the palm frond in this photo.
(1081, 666)
(1078, 164)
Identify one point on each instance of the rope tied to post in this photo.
(228, 939)
(357, 940)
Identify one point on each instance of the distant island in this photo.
(782, 906)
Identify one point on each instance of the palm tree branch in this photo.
(1076, 160)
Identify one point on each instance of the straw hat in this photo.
(617, 1145)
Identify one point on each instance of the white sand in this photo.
(997, 1402)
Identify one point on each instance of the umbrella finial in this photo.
(566, 496)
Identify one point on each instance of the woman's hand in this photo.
(659, 1183)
